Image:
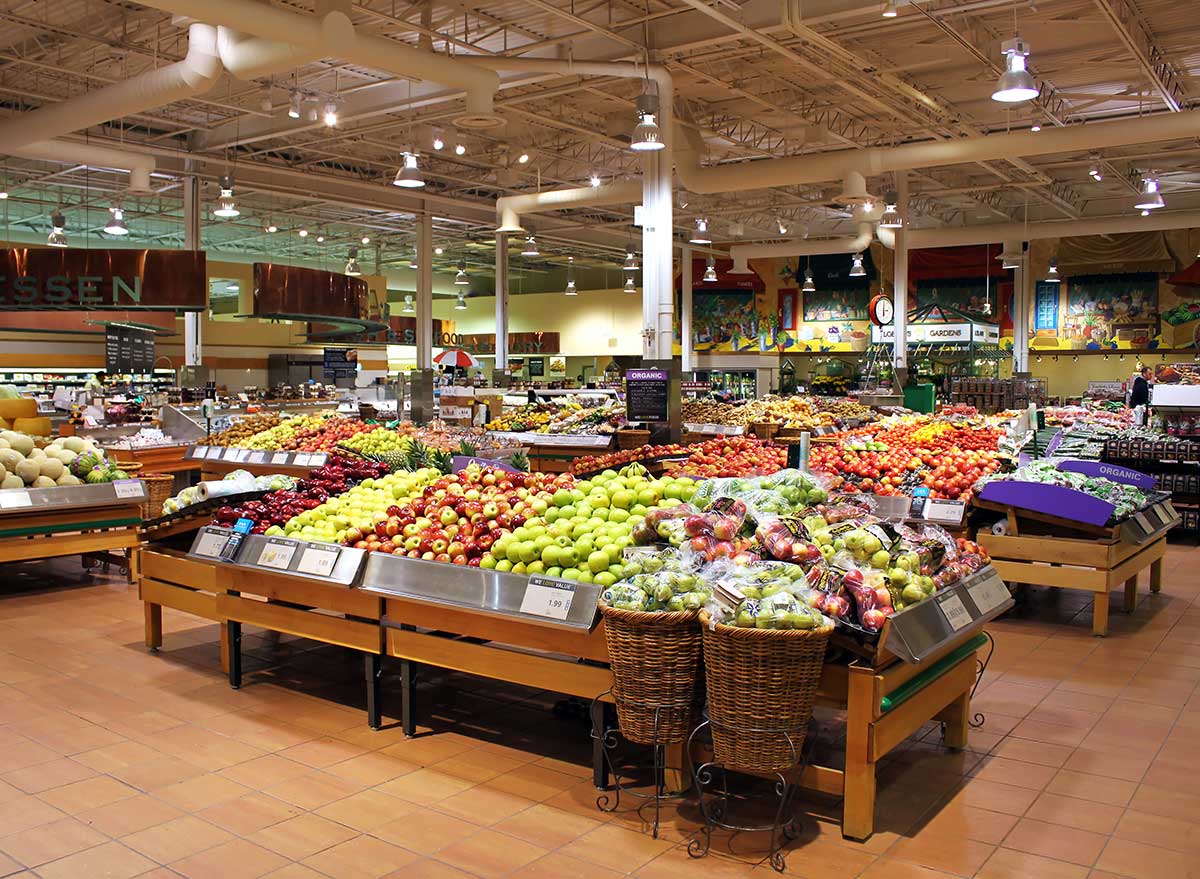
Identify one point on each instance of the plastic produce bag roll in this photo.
(223, 488)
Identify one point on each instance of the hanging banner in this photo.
(54, 278)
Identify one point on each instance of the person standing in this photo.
(1139, 395)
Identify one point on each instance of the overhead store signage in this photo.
(341, 362)
(646, 394)
(518, 343)
(292, 292)
(959, 332)
(41, 279)
(128, 351)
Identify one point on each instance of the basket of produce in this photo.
(159, 487)
(764, 430)
(761, 685)
(628, 438)
(653, 635)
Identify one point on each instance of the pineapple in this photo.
(467, 448)
(442, 460)
(419, 455)
(520, 460)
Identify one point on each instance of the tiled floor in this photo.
(116, 763)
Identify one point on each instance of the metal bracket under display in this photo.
(920, 630)
(23, 501)
(543, 600)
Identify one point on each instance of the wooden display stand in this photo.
(559, 458)
(26, 535)
(1045, 550)
(154, 459)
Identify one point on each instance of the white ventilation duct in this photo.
(69, 153)
(742, 253)
(998, 233)
(249, 57)
(510, 207)
(194, 75)
(334, 36)
(818, 168)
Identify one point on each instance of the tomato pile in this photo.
(945, 458)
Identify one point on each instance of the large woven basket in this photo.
(761, 687)
(159, 487)
(655, 661)
(628, 438)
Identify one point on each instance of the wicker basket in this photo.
(159, 487)
(761, 687)
(632, 439)
(655, 660)
(764, 430)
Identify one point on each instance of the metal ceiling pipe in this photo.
(194, 75)
(821, 167)
(998, 233)
(742, 253)
(66, 152)
(510, 207)
(334, 35)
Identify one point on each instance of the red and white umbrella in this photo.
(456, 357)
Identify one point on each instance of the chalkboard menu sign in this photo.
(537, 366)
(128, 351)
(646, 394)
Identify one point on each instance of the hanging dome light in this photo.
(700, 235)
(630, 287)
(646, 134)
(409, 176)
(1052, 276)
(809, 286)
(302, 232)
(226, 209)
(408, 304)
(352, 267)
(366, 239)
(710, 273)
(530, 247)
(1015, 84)
(270, 228)
(58, 230)
(856, 266)
(294, 106)
(570, 291)
(320, 239)
(631, 263)
(1011, 255)
(891, 218)
(889, 9)
(461, 277)
(331, 114)
(414, 260)
(461, 303)
(116, 223)
(1150, 199)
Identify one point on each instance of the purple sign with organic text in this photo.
(1053, 500)
(1111, 472)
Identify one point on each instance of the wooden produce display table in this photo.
(154, 459)
(215, 462)
(41, 523)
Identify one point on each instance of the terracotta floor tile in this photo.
(367, 810)
(262, 772)
(1137, 860)
(156, 774)
(981, 825)
(425, 786)
(1164, 801)
(950, 853)
(676, 863)
(201, 792)
(1007, 863)
(617, 848)
(483, 805)
(886, 868)
(176, 839)
(298, 838)
(426, 832)
(1174, 833)
(1056, 841)
(294, 871)
(236, 859)
(91, 793)
(129, 816)
(1129, 767)
(1029, 751)
(1054, 733)
(363, 857)
(245, 815)
(1096, 788)
(996, 797)
(322, 752)
(1077, 813)
(371, 768)
(45, 776)
(314, 790)
(50, 842)
(1015, 772)
(25, 812)
(127, 753)
(547, 826)
(110, 860)
(556, 866)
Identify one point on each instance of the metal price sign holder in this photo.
(24, 501)
(923, 628)
(260, 457)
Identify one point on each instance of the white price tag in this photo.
(257, 457)
(13, 498)
(199, 451)
(243, 455)
(318, 560)
(276, 555)
(942, 510)
(215, 453)
(319, 459)
(230, 454)
(956, 612)
(279, 458)
(126, 488)
(210, 544)
(989, 593)
(303, 461)
(547, 597)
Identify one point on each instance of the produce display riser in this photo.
(558, 459)
(215, 470)
(1096, 564)
(54, 534)
(157, 459)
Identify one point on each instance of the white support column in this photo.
(685, 319)
(657, 298)
(193, 321)
(900, 282)
(1022, 297)
(501, 301)
(425, 292)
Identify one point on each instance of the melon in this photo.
(33, 426)
(96, 476)
(12, 481)
(35, 453)
(65, 455)
(51, 467)
(19, 441)
(74, 443)
(84, 463)
(67, 479)
(44, 482)
(4, 444)
(10, 458)
(28, 471)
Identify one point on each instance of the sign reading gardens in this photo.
(44, 279)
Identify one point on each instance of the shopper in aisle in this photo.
(94, 386)
(1140, 394)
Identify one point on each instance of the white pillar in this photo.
(193, 321)
(685, 319)
(425, 292)
(657, 298)
(501, 301)
(900, 280)
(1022, 297)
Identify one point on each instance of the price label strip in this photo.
(127, 488)
(955, 611)
(318, 559)
(279, 458)
(277, 554)
(210, 544)
(199, 452)
(230, 455)
(12, 499)
(257, 457)
(547, 597)
(942, 510)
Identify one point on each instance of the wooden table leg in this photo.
(153, 614)
(224, 647)
(1156, 575)
(1100, 614)
(858, 805)
(956, 716)
(1131, 594)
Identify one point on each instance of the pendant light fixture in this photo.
(856, 266)
(1015, 84)
(294, 106)
(710, 272)
(1011, 255)
(408, 304)
(647, 136)
(1094, 170)
(630, 287)
(226, 208)
(366, 239)
(460, 278)
(330, 117)
(891, 218)
(1052, 276)
(58, 230)
(302, 232)
(352, 267)
(808, 286)
(530, 247)
(631, 263)
(889, 9)
(461, 303)
(270, 228)
(116, 223)
(409, 176)
(571, 291)
(414, 261)
(1150, 199)
(700, 235)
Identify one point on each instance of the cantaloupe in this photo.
(51, 467)
(22, 407)
(67, 479)
(43, 482)
(19, 441)
(74, 443)
(12, 481)
(10, 458)
(34, 426)
(28, 471)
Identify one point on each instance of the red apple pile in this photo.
(735, 456)
(334, 431)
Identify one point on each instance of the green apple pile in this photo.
(663, 581)
(358, 509)
(377, 441)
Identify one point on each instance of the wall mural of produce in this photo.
(1102, 309)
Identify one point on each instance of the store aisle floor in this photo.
(116, 763)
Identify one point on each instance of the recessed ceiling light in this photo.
(459, 149)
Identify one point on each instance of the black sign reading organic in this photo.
(646, 394)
